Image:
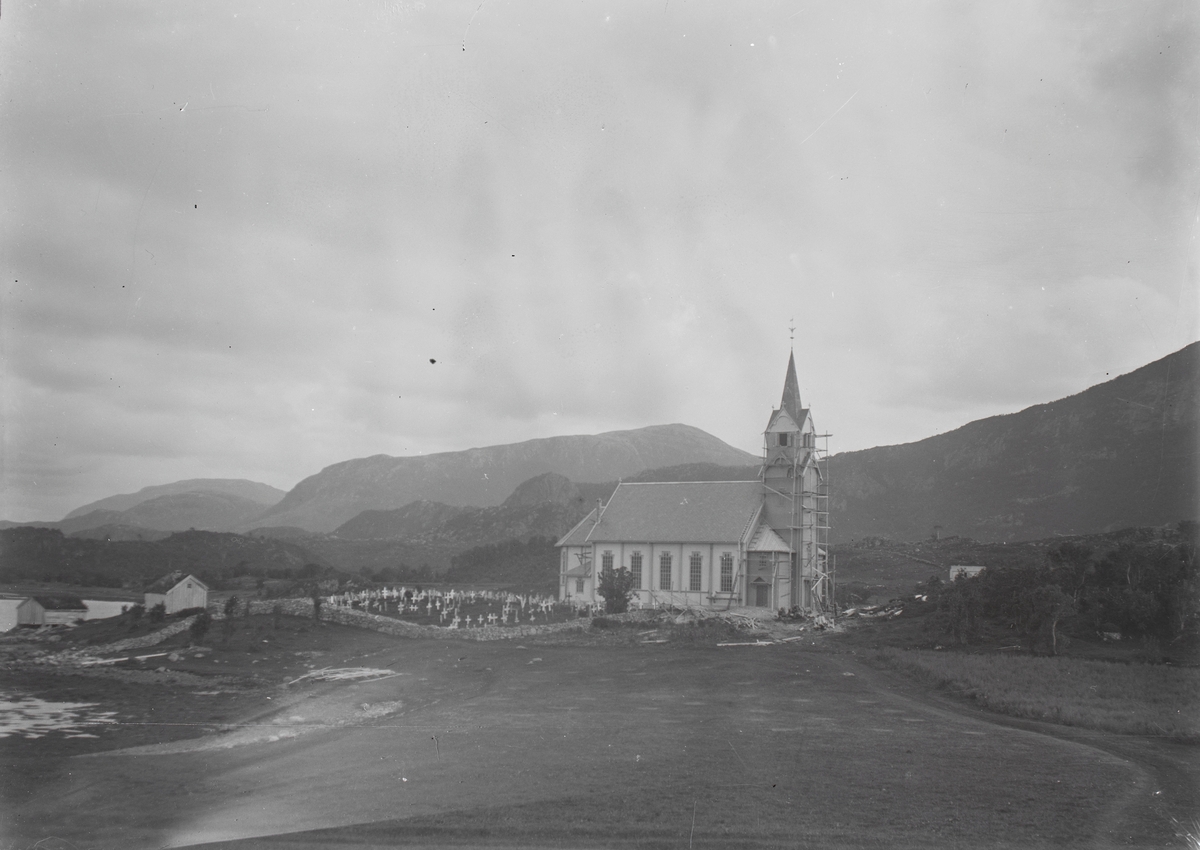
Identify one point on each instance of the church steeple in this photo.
(791, 391)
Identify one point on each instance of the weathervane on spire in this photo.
(792, 331)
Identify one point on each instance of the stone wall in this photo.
(150, 639)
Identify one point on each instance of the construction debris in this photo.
(346, 674)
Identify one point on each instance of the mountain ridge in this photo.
(484, 477)
(1120, 453)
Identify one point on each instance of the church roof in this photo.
(578, 535)
(673, 512)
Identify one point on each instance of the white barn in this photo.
(716, 544)
(177, 592)
(55, 610)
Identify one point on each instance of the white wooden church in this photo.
(717, 544)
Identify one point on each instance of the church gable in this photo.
(782, 422)
(766, 540)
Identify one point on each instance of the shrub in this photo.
(199, 627)
(158, 613)
(616, 586)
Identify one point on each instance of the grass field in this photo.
(1130, 699)
(588, 742)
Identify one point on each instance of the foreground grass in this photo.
(1131, 699)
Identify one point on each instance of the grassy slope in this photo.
(1131, 699)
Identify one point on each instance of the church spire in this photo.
(791, 390)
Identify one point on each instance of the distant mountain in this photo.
(200, 510)
(1122, 453)
(263, 495)
(204, 511)
(699, 472)
(485, 476)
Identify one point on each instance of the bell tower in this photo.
(796, 494)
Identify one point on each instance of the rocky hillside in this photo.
(1122, 453)
(485, 476)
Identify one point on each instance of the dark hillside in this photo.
(1122, 453)
(44, 554)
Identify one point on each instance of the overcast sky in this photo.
(235, 237)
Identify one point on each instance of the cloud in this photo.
(236, 235)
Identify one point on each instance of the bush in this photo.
(158, 613)
(199, 627)
(617, 587)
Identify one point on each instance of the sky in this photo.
(252, 239)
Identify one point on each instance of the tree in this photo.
(315, 594)
(1045, 608)
(617, 587)
(228, 624)
(199, 626)
(958, 603)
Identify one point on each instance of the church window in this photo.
(606, 561)
(564, 559)
(726, 573)
(635, 568)
(783, 439)
(579, 585)
(664, 571)
(694, 565)
(764, 561)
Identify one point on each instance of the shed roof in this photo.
(170, 580)
(674, 512)
(60, 602)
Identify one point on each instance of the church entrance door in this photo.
(762, 595)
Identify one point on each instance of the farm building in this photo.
(55, 610)
(178, 592)
(717, 544)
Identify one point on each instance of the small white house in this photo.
(177, 592)
(50, 611)
(957, 570)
